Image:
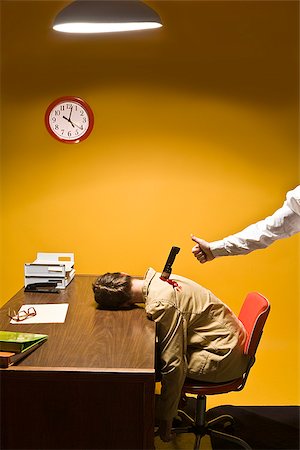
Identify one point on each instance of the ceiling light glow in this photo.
(104, 16)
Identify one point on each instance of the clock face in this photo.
(69, 119)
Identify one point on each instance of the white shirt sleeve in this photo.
(283, 223)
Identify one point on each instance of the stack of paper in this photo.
(50, 268)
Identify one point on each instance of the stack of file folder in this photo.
(16, 345)
(50, 268)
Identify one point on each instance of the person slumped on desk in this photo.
(198, 335)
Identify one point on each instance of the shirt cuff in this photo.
(218, 248)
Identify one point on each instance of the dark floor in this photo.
(262, 427)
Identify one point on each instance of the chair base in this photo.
(199, 427)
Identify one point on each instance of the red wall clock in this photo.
(69, 119)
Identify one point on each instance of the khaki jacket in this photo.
(198, 336)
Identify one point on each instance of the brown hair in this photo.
(113, 291)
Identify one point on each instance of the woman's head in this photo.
(113, 291)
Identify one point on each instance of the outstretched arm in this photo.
(283, 223)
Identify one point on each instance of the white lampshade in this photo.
(103, 16)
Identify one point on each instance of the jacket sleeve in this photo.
(171, 348)
(283, 223)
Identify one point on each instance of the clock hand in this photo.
(79, 126)
(64, 117)
(70, 113)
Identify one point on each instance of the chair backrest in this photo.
(253, 315)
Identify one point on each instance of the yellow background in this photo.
(196, 130)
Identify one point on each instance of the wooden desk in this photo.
(90, 386)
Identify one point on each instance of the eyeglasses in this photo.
(22, 315)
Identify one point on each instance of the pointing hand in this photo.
(202, 250)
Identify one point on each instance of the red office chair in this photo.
(253, 315)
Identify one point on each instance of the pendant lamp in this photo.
(103, 16)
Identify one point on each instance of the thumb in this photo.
(195, 239)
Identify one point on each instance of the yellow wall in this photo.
(195, 131)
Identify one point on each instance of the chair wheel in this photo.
(177, 422)
(228, 424)
(222, 423)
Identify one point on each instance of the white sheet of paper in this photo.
(45, 313)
